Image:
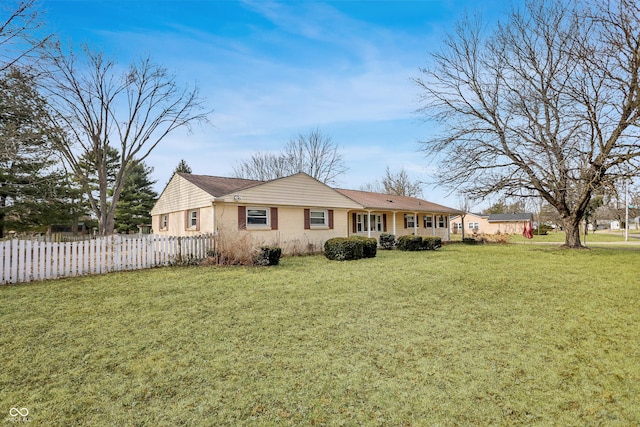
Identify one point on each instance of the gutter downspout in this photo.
(213, 216)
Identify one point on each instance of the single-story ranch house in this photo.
(512, 223)
(293, 211)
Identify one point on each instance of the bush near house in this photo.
(387, 241)
(431, 243)
(410, 243)
(268, 255)
(369, 246)
(417, 243)
(344, 248)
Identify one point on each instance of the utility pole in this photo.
(626, 211)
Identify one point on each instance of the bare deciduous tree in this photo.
(20, 24)
(547, 105)
(103, 109)
(264, 167)
(464, 206)
(397, 183)
(314, 154)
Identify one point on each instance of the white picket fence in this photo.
(31, 260)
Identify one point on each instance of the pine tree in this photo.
(32, 184)
(182, 167)
(136, 200)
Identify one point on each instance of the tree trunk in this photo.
(572, 233)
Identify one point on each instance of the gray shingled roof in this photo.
(219, 186)
(394, 203)
(521, 216)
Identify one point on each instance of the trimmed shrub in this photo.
(268, 255)
(410, 243)
(469, 241)
(343, 249)
(369, 246)
(542, 230)
(387, 241)
(431, 243)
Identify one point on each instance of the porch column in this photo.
(415, 224)
(394, 223)
(369, 224)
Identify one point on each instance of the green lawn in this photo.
(602, 236)
(467, 335)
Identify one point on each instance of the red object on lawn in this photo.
(528, 230)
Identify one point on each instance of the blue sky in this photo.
(272, 70)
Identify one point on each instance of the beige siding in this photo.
(295, 190)
(180, 195)
(177, 225)
(486, 227)
(506, 227)
(291, 235)
(469, 219)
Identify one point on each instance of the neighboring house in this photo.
(491, 223)
(294, 211)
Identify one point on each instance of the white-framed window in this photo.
(442, 221)
(164, 222)
(428, 221)
(411, 220)
(377, 223)
(193, 219)
(474, 226)
(318, 218)
(257, 217)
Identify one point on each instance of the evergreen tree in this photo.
(32, 184)
(136, 200)
(182, 167)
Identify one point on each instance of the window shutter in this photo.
(274, 218)
(405, 220)
(186, 219)
(307, 219)
(384, 222)
(242, 217)
(330, 219)
(198, 219)
(354, 223)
